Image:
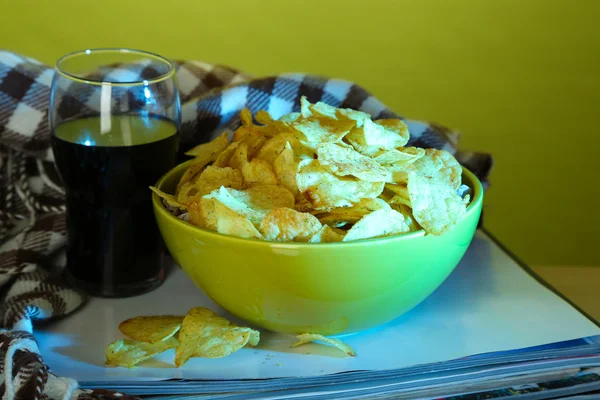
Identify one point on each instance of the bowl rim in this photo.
(475, 203)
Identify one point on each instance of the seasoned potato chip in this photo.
(267, 197)
(253, 139)
(232, 223)
(321, 130)
(254, 338)
(372, 138)
(378, 224)
(127, 353)
(286, 167)
(210, 150)
(168, 198)
(211, 178)
(348, 215)
(399, 157)
(246, 117)
(302, 204)
(252, 203)
(205, 334)
(223, 158)
(151, 329)
(291, 117)
(322, 110)
(263, 117)
(286, 225)
(435, 205)
(239, 202)
(358, 116)
(408, 217)
(326, 191)
(239, 157)
(305, 111)
(439, 165)
(192, 172)
(394, 127)
(327, 235)
(202, 213)
(311, 337)
(343, 161)
(273, 147)
(258, 172)
(399, 189)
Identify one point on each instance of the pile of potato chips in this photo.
(322, 175)
(200, 333)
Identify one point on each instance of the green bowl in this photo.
(325, 288)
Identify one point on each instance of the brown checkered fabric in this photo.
(32, 226)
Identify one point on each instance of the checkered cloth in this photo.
(32, 222)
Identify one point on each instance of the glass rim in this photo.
(167, 75)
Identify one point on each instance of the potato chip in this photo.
(286, 167)
(435, 204)
(223, 159)
(254, 140)
(358, 116)
(151, 329)
(207, 335)
(127, 353)
(291, 117)
(246, 117)
(408, 217)
(201, 213)
(399, 189)
(302, 204)
(232, 223)
(211, 178)
(258, 172)
(263, 117)
(327, 235)
(305, 111)
(326, 191)
(286, 225)
(322, 130)
(399, 157)
(273, 147)
(348, 215)
(192, 172)
(343, 161)
(400, 193)
(323, 110)
(394, 127)
(238, 201)
(210, 150)
(239, 157)
(168, 198)
(267, 197)
(254, 338)
(373, 138)
(311, 337)
(439, 165)
(378, 224)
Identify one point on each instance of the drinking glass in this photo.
(114, 117)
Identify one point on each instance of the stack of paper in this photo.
(490, 326)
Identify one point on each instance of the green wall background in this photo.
(519, 78)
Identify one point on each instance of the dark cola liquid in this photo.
(114, 246)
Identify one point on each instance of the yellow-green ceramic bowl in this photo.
(330, 288)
